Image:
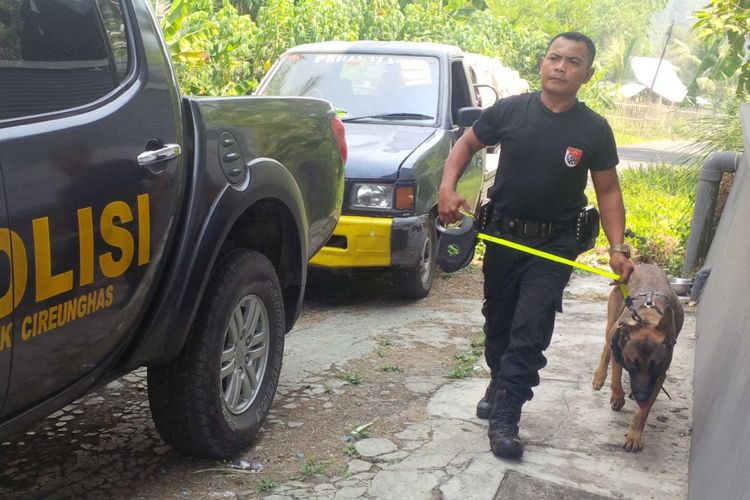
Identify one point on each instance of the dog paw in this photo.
(598, 381)
(617, 403)
(633, 442)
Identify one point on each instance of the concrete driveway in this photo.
(573, 439)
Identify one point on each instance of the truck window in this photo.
(460, 97)
(117, 35)
(361, 84)
(54, 54)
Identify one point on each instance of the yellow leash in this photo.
(555, 258)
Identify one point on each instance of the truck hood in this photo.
(377, 151)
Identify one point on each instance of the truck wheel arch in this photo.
(271, 220)
(270, 189)
(269, 228)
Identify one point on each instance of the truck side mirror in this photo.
(478, 86)
(465, 117)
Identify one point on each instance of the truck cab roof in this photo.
(375, 47)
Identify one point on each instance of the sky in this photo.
(679, 11)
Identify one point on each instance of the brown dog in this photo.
(641, 342)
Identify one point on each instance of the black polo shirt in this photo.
(545, 156)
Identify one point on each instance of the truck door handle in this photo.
(167, 152)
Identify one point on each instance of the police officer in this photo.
(549, 143)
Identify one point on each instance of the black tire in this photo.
(192, 402)
(416, 282)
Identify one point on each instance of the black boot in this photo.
(484, 407)
(503, 431)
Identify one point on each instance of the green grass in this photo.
(630, 139)
(391, 368)
(313, 468)
(267, 485)
(659, 207)
(463, 364)
(352, 378)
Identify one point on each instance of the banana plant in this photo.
(724, 26)
(184, 46)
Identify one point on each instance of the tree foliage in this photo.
(600, 20)
(724, 27)
(225, 46)
(213, 50)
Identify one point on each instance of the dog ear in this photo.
(667, 326)
(619, 339)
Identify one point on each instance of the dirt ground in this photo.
(324, 444)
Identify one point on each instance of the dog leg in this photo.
(617, 400)
(614, 306)
(600, 375)
(633, 437)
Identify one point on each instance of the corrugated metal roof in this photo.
(667, 84)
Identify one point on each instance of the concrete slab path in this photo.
(573, 439)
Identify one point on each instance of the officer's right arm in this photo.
(449, 201)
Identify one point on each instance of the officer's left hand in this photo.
(621, 265)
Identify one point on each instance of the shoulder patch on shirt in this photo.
(573, 156)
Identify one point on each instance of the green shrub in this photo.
(220, 50)
(659, 207)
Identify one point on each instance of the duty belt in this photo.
(521, 227)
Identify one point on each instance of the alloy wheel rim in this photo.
(244, 355)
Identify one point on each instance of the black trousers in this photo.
(522, 294)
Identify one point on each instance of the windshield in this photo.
(376, 87)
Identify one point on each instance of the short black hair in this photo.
(577, 37)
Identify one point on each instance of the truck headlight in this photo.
(372, 195)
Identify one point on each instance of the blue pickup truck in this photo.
(139, 227)
(404, 105)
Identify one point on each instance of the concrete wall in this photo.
(720, 453)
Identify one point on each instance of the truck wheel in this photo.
(416, 282)
(212, 400)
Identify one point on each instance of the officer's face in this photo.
(565, 68)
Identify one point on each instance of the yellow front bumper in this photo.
(359, 242)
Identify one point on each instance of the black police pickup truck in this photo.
(139, 227)
(404, 105)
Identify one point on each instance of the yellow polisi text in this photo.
(125, 244)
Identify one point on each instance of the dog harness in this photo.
(647, 304)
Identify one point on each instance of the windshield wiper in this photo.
(390, 116)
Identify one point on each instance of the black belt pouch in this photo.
(587, 228)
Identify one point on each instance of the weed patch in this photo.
(267, 485)
(463, 364)
(313, 468)
(352, 378)
(391, 368)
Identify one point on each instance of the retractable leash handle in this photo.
(455, 248)
(466, 225)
